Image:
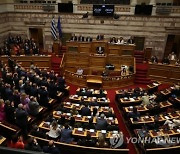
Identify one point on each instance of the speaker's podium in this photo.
(94, 81)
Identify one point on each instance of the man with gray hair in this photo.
(101, 123)
(22, 118)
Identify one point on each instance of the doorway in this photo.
(139, 41)
(172, 45)
(37, 35)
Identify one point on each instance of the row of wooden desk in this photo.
(83, 119)
(80, 132)
(152, 119)
(69, 105)
(101, 101)
(158, 133)
(145, 108)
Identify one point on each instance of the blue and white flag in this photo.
(53, 29)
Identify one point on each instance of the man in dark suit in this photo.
(88, 39)
(89, 125)
(73, 37)
(100, 50)
(85, 111)
(66, 134)
(44, 96)
(112, 126)
(81, 38)
(100, 37)
(22, 118)
(8, 93)
(109, 113)
(51, 148)
(101, 123)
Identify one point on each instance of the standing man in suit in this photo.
(88, 39)
(85, 111)
(100, 37)
(66, 134)
(100, 50)
(22, 118)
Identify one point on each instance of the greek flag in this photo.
(53, 29)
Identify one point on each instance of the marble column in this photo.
(133, 2)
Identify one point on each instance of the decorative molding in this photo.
(34, 23)
(28, 7)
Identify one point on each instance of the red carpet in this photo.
(141, 74)
(55, 63)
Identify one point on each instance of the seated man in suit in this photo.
(51, 148)
(101, 123)
(131, 40)
(100, 50)
(113, 40)
(166, 61)
(73, 37)
(66, 134)
(172, 56)
(100, 37)
(154, 59)
(87, 141)
(85, 111)
(88, 39)
(89, 125)
(81, 38)
(112, 126)
(79, 71)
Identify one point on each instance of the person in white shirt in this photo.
(79, 71)
(172, 56)
(173, 123)
(120, 40)
(145, 99)
(54, 131)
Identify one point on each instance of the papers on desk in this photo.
(85, 97)
(155, 84)
(89, 117)
(80, 129)
(103, 131)
(115, 132)
(166, 117)
(68, 114)
(125, 98)
(178, 130)
(94, 97)
(110, 118)
(75, 96)
(146, 117)
(77, 104)
(106, 107)
(68, 103)
(131, 99)
(58, 112)
(92, 130)
(78, 115)
(47, 123)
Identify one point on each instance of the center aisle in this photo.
(111, 96)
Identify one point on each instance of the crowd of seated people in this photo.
(81, 38)
(60, 126)
(120, 40)
(15, 45)
(100, 37)
(165, 118)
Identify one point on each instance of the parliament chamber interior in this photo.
(90, 76)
